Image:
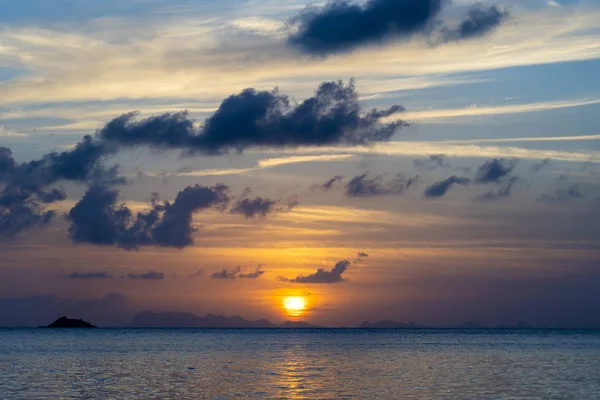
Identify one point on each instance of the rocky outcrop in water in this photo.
(64, 322)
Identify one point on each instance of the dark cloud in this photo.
(257, 273)
(362, 186)
(359, 257)
(90, 275)
(563, 195)
(434, 161)
(322, 276)
(197, 273)
(227, 273)
(81, 164)
(341, 25)
(52, 195)
(538, 167)
(439, 189)
(333, 116)
(237, 273)
(175, 227)
(480, 21)
(259, 207)
(97, 219)
(329, 184)
(151, 276)
(251, 208)
(494, 170)
(504, 190)
(28, 186)
(7, 162)
(21, 208)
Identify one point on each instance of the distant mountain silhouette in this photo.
(470, 325)
(518, 325)
(64, 322)
(387, 324)
(170, 319)
(151, 319)
(298, 324)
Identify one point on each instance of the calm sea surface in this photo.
(293, 364)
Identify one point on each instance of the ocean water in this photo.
(299, 364)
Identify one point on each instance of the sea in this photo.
(299, 364)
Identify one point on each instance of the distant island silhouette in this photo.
(171, 319)
(298, 325)
(151, 319)
(64, 322)
(387, 324)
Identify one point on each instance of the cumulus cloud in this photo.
(480, 21)
(260, 207)
(322, 276)
(494, 170)
(341, 25)
(251, 208)
(28, 186)
(21, 209)
(333, 116)
(434, 161)
(91, 275)
(363, 186)
(97, 218)
(237, 273)
(439, 189)
(150, 276)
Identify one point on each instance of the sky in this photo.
(410, 160)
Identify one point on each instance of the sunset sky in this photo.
(410, 160)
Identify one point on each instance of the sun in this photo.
(294, 305)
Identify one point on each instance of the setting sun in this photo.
(294, 305)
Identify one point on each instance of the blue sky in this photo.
(526, 92)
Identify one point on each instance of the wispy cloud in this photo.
(474, 111)
(10, 133)
(453, 149)
(102, 68)
(268, 163)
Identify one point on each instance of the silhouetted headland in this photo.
(64, 322)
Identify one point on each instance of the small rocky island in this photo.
(64, 322)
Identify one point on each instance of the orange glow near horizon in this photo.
(294, 305)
